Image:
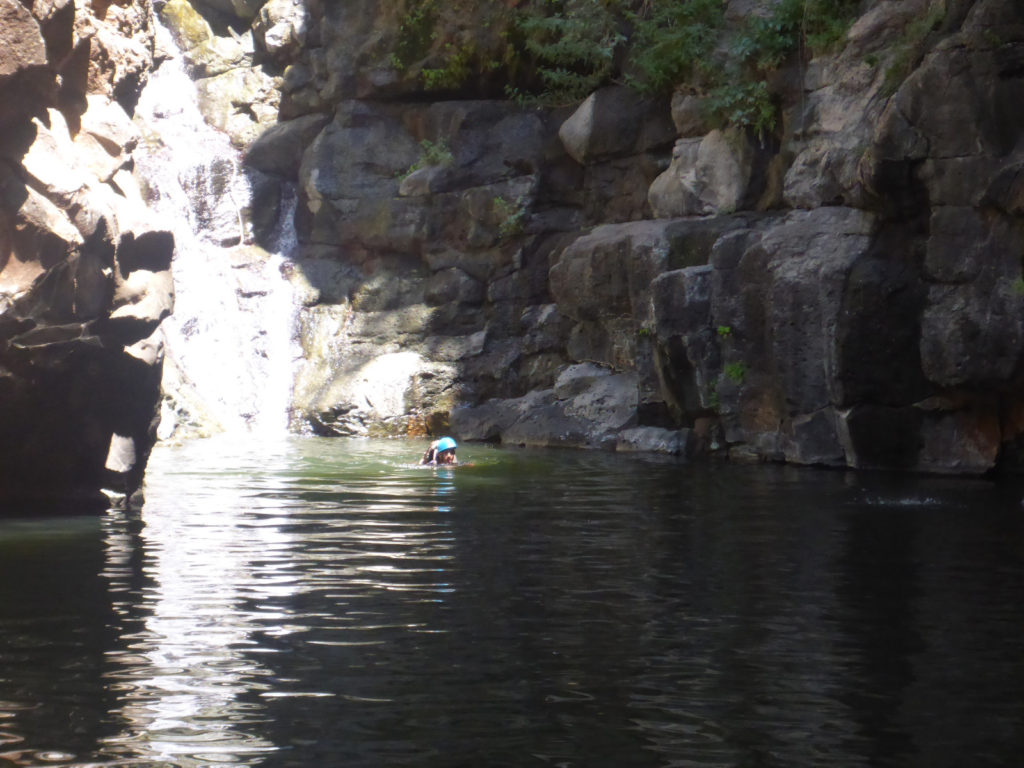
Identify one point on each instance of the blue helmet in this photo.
(445, 444)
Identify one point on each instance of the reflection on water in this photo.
(327, 602)
(180, 669)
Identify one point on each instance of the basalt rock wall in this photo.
(84, 271)
(843, 290)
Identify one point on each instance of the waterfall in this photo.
(231, 345)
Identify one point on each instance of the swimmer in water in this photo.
(440, 452)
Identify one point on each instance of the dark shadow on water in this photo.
(55, 626)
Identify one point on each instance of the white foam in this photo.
(231, 342)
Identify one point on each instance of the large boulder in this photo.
(841, 102)
(589, 407)
(242, 102)
(615, 121)
(206, 53)
(718, 174)
(603, 281)
(279, 148)
(280, 28)
(381, 396)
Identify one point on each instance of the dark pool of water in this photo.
(324, 603)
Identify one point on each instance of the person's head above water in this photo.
(441, 452)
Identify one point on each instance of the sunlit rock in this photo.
(675, 191)
(207, 54)
(106, 137)
(112, 54)
(280, 27)
(72, 390)
(143, 300)
(373, 398)
(52, 163)
(21, 42)
(717, 174)
(45, 236)
(242, 102)
(122, 456)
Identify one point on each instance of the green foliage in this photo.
(512, 215)
(725, 331)
(433, 154)
(415, 34)
(816, 25)
(739, 94)
(745, 103)
(766, 41)
(672, 42)
(436, 153)
(573, 44)
(714, 399)
(559, 51)
(827, 23)
(460, 64)
(1018, 286)
(736, 372)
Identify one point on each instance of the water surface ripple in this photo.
(327, 602)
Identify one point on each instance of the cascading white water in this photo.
(231, 346)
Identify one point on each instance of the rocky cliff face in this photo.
(84, 271)
(846, 291)
(842, 288)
